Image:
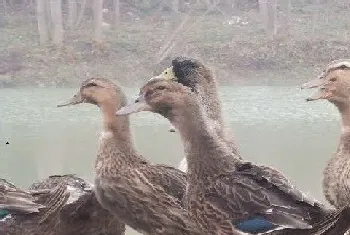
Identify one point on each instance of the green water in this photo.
(272, 125)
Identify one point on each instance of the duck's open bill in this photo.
(320, 94)
(138, 106)
(313, 83)
(76, 99)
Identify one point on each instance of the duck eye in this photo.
(161, 88)
(333, 79)
(166, 72)
(91, 84)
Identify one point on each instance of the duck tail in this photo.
(336, 223)
(57, 199)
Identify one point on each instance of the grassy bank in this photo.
(237, 49)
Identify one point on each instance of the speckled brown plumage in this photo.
(146, 197)
(31, 212)
(224, 191)
(334, 86)
(200, 79)
(82, 214)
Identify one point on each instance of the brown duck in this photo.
(66, 204)
(30, 212)
(144, 196)
(194, 74)
(226, 195)
(82, 214)
(334, 86)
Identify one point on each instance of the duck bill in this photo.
(76, 99)
(138, 106)
(318, 95)
(167, 74)
(313, 83)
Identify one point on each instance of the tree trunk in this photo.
(2, 13)
(315, 15)
(267, 9)
(42, 24)
(56, 16)
(97, 9)
(287, 7)
(81, 12)
(72, 12)
(272, 18)
(116, 13)
(178, 5)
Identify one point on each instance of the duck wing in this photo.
(17, 201)
(55, 200)
(143, 205)
(262, 195)
(172, 180)
(334, 223)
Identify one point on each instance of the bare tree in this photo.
(287, 7)
(267, 9)
(2, 13)
(263, 11)
(72, 12)
(272, 18)
(178, 5)
(42, 26)
(56, 16)
(315, 14)
(81, 12)
(97, 9)
(116, 12)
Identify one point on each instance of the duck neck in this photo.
(116, 142)
(118, 125)
(344, 144)
(206, 155)
(211, 101)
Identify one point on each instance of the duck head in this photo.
(196, 76)
(333, 84)
(160, 96)
(96, 91)
(189, 72)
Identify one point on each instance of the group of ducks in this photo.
(217, 193)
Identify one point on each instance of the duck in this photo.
(66, 204)
(145, 196)
(82, 214)
(33, 211)
(225, 195)
(194, 74)
(334, 85)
